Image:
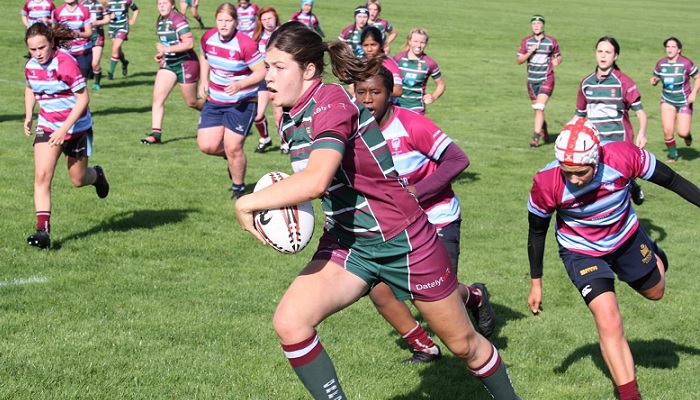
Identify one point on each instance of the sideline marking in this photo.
(17, 282)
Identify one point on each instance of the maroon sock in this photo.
(43, 220)
(474, 298)
(418, 338)
(629, 391)
(262, 128)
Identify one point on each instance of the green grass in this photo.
(156, 293)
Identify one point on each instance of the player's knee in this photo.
(539, 106)
(464, 347)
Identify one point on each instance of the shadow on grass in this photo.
(130, 220)
(688, 153)
(467, 176)
(177, 139)
(453, 370)
(655, 353)
(653, 230)
(121, 110)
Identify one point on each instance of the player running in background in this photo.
(193, 5)
(64, 124)
(599, 233)
(231, 68)
(674, 72)
(268, 21)
(375, 20)
(351, 34)
(416, 67)
(99, 18)
(37, 11)
(427, 161)
(372, 44)
(375, 229)
(541, 52)
(178, 65)
(247, 14)
(307, 17)
(606, 96)
(78, 18)
(119, 32)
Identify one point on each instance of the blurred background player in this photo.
(541, 52)
(64, 124)
(100, 18)
(78, 18)
(37, 11)
(375, 19)
(307, 17)
(416, 67)
(119, 32)
(427, 161)
(231, 68)
(606, 96)
(351, 34)
(599, 233)
(373, 44)
(247, 14)
(268, 22)
(193, 5)
(178, 65)
(674, 72)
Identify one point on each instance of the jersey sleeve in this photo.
(632, 97)
(433, 68)
(541, 201)
(581, 102)
(334, 121)
(555, 48)
(523, 47)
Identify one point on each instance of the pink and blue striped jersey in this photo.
(262, 42)
(229, 61)
(393, 67)
(54, 85)
(598, 218)
(416, 144)
(77, 20)
(246, 19)
(38, 11)
(309, 20)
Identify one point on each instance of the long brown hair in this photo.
(59, 35)
(306, 47)
(258, 25)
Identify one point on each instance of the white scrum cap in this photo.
(578, 143)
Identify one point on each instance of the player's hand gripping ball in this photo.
(287, 229)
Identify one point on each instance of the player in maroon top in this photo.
(375, 230)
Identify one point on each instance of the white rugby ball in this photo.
(287, 229)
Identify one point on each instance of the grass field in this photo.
(155, 293)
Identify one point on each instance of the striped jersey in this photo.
(38, 11)
(246, 19)
(53, 85)
(76, 19)
(598, 218)
(416, 144)
(393, 67)
(365, 203)
(606, 102)
(120, 8)
(383, 25)
(675, 77)
(229, 61)
(262, 42)
(170, 30)
(351, 36)
(309, 20)
(97, 11)
(539, 66)
(415, 75)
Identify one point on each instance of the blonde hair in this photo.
(414, 31)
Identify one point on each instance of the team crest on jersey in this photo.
(395, 143)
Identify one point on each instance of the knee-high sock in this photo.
(262, 128)
(314, 368)
(494, 376)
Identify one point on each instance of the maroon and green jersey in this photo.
(675, 76)
(98, 11)
(606, 102)
(415, 75)
(539, 66)
(365, 203)
(170, 30)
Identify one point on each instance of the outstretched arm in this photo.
(666, 177)
(537, 233)
(450, 164)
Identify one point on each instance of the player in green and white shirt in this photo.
(415, 68)
(119, 32)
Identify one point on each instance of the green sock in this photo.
(498, 382)
(672, 152)
(98, 77)
(320, 378)
(201, 24)
(112, 66)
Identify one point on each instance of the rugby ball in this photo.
(287, 229)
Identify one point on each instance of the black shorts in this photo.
(449, 236)
(78, 146)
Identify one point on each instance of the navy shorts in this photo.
(235, 117)
(84, 63)
(79, 145)
(632, 261)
